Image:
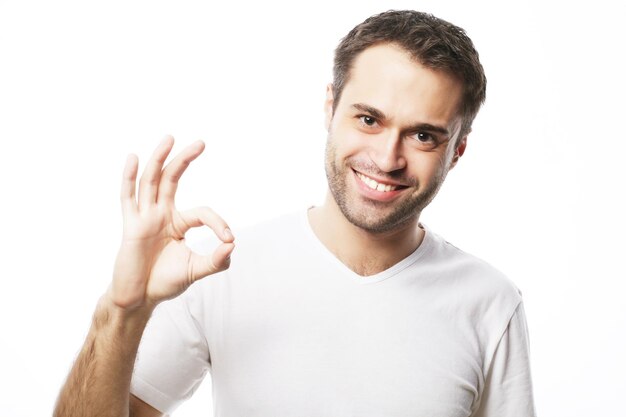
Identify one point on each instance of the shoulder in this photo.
(481, 297)
(473, 278)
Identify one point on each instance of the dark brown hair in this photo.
(433, 42)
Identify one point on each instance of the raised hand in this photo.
(153, 263)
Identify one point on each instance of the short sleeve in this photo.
(508, 386)
(173, 357)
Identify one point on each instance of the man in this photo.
(352, 308)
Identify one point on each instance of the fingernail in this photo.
(228, 234)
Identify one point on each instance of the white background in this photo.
(539, 192)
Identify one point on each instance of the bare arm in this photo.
(140, 409)
(152, 265)
(99, 383)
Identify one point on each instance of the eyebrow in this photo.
(378, 114)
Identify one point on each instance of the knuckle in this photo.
(170, 176)
(147, 181)
(226, 264)
(212, 267)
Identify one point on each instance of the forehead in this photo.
(388, 78)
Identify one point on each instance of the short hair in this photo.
(433, 42)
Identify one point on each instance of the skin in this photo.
(396, 122)
(153, 264)
(390, 109)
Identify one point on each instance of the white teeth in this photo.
(374, 185)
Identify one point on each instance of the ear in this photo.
(459, 151)
(328, 105)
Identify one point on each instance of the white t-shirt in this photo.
(290, 331)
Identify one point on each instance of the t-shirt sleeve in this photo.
(173, 357)
(508, 385)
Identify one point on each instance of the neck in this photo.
(364, 252)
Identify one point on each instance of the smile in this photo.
(375, 185)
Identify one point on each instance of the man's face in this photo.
(391, 139)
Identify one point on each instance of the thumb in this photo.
(218, 261)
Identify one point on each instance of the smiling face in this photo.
(392, 138)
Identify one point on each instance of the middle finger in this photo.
(149, 183)
(175, 169)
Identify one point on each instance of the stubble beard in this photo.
(375, 216)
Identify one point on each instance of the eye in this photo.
(424, 137)
(425, 140)
(368, 121)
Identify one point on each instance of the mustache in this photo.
(369, 168)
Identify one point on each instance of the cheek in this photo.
(347, 142)
(428, 167)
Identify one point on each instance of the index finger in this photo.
(202, 216)
(175, 169)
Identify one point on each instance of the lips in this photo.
(375, 185)
(376, 190)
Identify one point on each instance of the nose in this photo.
(387, 153)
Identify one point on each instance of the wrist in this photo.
(109, 313)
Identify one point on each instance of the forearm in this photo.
(99, 382)
(152, 265)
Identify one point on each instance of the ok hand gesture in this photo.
(153, 263)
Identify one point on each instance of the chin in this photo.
(374, 218)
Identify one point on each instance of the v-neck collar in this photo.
(423, 248)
